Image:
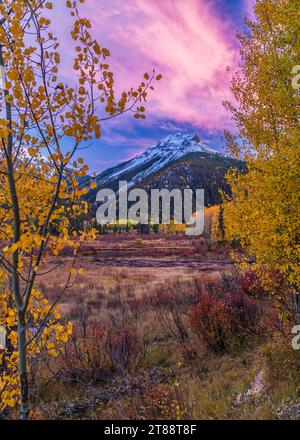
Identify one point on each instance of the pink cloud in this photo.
(187, 41)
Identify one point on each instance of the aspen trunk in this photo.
(16, 223)
(24, 408)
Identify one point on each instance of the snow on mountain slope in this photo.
(156, 157)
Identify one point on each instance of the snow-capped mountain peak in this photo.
(180, 144)
(167, 150)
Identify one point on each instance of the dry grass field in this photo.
(165, 327)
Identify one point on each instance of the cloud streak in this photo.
(186, 41)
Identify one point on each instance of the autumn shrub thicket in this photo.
(223, 323)
(116, 335)
(128, 349)
(97, 349)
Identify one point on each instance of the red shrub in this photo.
(211, 321)
(248, 283)
(222, 324)
(245, 312)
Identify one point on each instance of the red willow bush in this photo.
(248, 282)
(223, 322)
(273, 288)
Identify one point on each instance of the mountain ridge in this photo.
(176, 161)
(157, 156)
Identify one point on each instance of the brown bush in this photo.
(122, 345)
(84, 358)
